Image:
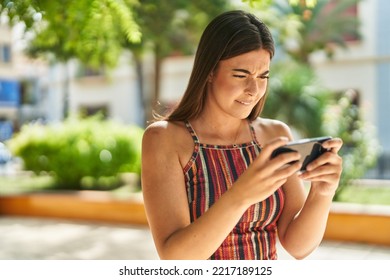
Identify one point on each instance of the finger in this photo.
(327, 178)
(274, 144)
(285, 161)
(334, 145)
(327, 158)
(279, 183)
(288, 170)
(325, 171)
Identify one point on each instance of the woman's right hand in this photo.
(265, 175)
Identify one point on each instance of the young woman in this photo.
(211, 189)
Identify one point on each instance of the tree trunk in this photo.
(155, 105)
(140, 90)
(66, 91)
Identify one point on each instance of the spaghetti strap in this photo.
(253, 133)
(192, 132)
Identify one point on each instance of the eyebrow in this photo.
(248, 72)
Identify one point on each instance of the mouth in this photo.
(246, 103)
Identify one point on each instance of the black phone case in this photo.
(309, 148)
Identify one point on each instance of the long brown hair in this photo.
(229, 34)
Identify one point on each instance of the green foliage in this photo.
(265, 3)
(169, 27)
(296, 97)
(361, 147)
(80, 152)
(20, 11)
(175, 25)
(371, 194)
(324, 26)
(90, 30)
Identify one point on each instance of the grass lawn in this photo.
(366, 195)
(353, 194)
(25, 183)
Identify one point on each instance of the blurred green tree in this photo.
(89, 30)
(96, 32)
(325, 25)
(296, 96)
(266, 3)
(301, 28)
(361, 146)
(169, 27)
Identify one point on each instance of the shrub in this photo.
(361, 147)
(296, 97)
(80, 153)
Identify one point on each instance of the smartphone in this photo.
(309, 148)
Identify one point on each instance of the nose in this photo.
(251, 88)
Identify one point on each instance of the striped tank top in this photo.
(210, 172)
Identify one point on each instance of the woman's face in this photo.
(238, 83)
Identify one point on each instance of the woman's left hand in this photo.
(325, 171)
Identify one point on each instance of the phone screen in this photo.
(309, 148)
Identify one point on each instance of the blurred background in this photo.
(80, 80)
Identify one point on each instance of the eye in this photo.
(264, 77)
(239, 76)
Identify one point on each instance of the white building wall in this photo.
(118, 93)
(355, 67)
(176, 72)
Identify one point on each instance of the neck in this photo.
(220, 131)
(219, 120)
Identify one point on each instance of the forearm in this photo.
(301, 234)
(306, 230)
(200, 239)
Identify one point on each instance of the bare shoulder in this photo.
(158, 149)
(159, 128)
(163, 131)
(268, 129)
(168, 139)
